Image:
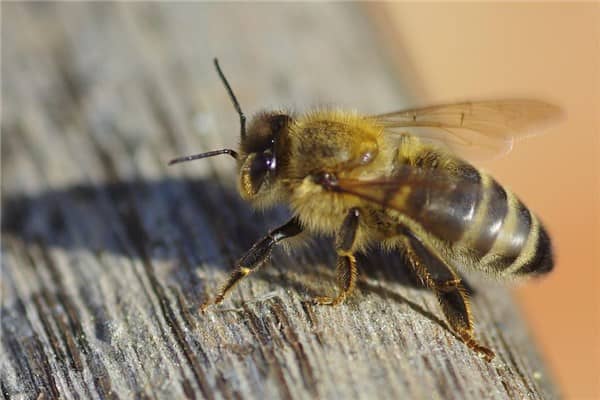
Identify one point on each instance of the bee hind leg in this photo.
(255, 257)
(448, 289)
(346, 270)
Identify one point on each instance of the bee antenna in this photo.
(236, 104)
(232, 153)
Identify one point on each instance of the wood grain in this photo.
(107, 254)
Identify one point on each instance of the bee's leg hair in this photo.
(448, 288)
(346, 270)
(255, 257)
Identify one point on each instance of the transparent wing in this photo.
(410, 184)
(474, 130)
(442, 203)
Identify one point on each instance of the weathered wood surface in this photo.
(107, 254)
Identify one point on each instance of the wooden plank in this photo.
(107, 254)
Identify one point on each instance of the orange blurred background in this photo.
(550, 51)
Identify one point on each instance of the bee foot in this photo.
(328, 301)
(204, 306)
(487, 354)
(209, 303)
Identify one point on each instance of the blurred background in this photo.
(447, 52)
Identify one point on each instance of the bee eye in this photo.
(261, 164)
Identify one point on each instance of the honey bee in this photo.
(395, 180)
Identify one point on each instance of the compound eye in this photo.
(261, 164)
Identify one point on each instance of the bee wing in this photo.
(430, 195)
(394, 192)
(474, 130)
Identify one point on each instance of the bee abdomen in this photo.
(445, 210)
(521, 245)
(489, 218)
(471, 214)
(541, 260)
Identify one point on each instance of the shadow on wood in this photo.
(44, 219)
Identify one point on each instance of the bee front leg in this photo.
(346, 270)
(448, 289)
(255, 257)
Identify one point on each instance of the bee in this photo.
(395, 180)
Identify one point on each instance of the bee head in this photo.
(261, 151)
(260, 154)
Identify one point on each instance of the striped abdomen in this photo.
(504, 236)
(474, 215)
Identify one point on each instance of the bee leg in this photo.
(346, 270)
(448, 289)
(255, 257)
(347, 274)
